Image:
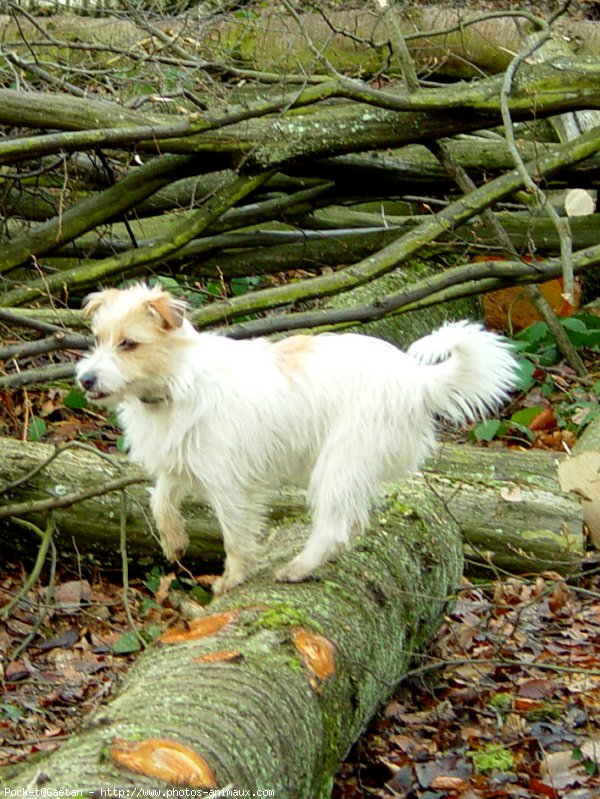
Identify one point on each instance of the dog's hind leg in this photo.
(339, 493)
(166, 500)
(241, 519)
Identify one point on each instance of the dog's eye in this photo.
(127, 345)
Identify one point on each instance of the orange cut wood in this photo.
(199, 628)
(317, 652)
(220, 657)
(166, 760)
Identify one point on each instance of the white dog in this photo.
(230, 419)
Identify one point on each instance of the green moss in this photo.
(502, 701)
(282, 615)
(545, 712)
(493, 756)
(294, 665)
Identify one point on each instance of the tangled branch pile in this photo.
(231, 147)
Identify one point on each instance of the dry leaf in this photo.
(443, 783)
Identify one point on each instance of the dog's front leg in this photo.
(241, 519)
(166, 500)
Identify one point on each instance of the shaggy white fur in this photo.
(340, 414)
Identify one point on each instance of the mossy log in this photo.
(507, 504)
(270, 40)
(274, 699)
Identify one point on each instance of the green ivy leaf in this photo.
(127, 643)
(75, 399)
(525, 416)
(487, 430)
(36, 430)
(526, 379)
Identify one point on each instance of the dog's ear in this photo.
(167, 309)
(94, 301)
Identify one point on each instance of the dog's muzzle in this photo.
(89, 382)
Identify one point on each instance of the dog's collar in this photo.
(154, 400)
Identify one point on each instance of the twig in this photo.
(46, 537)
(12, 318)
(57, 452)
(125, 569)
(45, 374)
(57, 341)
(44, 610)
(398, 45)
(179, 234)
(561, 224)
(463, 281)
(44, 505)
(92, 211)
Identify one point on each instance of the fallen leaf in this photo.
(560, 769)
(545, 420)
(443, 783)
(69, 596)
(591, 749)
(15, 670)
(68, 638)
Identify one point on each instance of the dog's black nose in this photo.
(88, 380)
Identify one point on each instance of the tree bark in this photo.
(508, 505)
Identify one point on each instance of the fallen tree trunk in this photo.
(270, 39)
(508, 505)
(275, 698)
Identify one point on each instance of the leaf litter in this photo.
(506, 702)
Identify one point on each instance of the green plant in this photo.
(536, 351)
(493, 756)
(502, 701)
(36, 429)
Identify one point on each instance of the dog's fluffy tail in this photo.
(470, 370)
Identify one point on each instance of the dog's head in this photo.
(139, 335)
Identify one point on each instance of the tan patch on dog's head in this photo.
(170, 310)
(93, 302)
(139, 328)
(135, 313)
(291, 353)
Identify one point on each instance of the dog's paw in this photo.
(225, 583)
(174, 543)
(293, 572)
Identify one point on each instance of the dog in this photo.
(339, 414)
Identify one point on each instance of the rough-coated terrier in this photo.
(229, 420)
